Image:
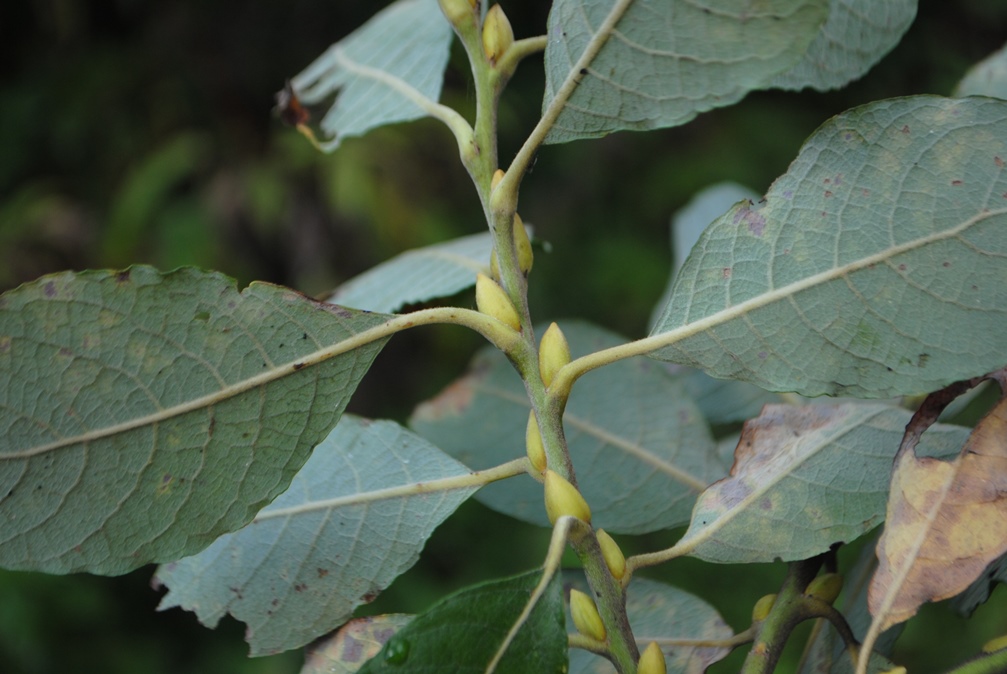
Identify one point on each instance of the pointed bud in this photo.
(614, 558)
(825, 587)
(553, 353)
(458, 11)
(585, 616)
(522, 246)
(533, 443)
(498, 35)
(498, 175)
(762, 608)
(493, 301)
(562, 498)
(651, 660)
(994, 645)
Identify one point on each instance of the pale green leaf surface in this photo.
(855, 36)
(331, 542)
(403, 47)
(876, 267)
(463, 632)
(637, 65)
(724, 401)
(418, 275)
(348, 648)
(672, 618)
(641, 450)
(803, 479)
(144, 414)
(986, 78)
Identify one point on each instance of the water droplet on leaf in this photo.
(396, 650)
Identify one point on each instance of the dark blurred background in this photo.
(134, 131)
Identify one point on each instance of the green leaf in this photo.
(876, 266)
(640, 447)
(803, 479)
(144, 414)
(336, 538)
(418, 275)
(462, 632)
(724, 401)
(673, 619)
(616, 65)
(986, 78)
(353, 644)
(856, 35)
(377, 70)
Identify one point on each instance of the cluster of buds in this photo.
(497, 34)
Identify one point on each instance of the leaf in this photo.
(145, 414)
(876, 267)
(673, 619)
(724, 401)
(986, 78)
(803, 479)
(981, 588)
(856, 35)
(616, 65)
(641, 450)
(462, 632)
(946, 522)
(418, 275)
(353, 644)
(378, 70)
(338, 537)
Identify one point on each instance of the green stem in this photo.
(988, 663)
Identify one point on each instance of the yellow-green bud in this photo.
(562, 498)
(585, 616)
(614, 559)
(825, 587)
(651, 660)
(522, 246)
(553, 353)
(533, 443)
(458, 11)
(498, 35)
(994, 645)
(498, 175)
(895, 670)
(762, 608)
(493, 301)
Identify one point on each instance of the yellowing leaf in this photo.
(946, 522)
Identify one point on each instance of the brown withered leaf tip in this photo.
(289, 107)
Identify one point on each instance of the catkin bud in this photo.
(825, 587)
(762, 608)
(493, 301)
(585, 616)
(457, 11)
(651, 660)
(553, 353)
(522, 246)
(498, 35)
(533, 443)
(614, 558)
(562, 498)
(994, 645)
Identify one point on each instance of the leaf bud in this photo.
(562, 498)
(585, 616)
(498, 35)
(994, 645)
(533, 443)
(457, 11)
(762, 608)
(493, 301)
(825, 587)
(651, 660)
(553, 353)
(614, 558)
(498, 175)
(522, 246)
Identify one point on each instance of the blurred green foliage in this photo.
(135, 131)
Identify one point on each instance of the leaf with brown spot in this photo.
(353, 644)
(946, 522)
